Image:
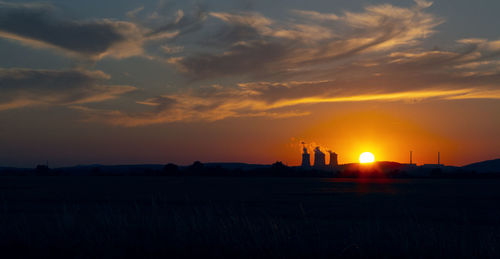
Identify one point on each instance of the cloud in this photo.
(252, 44)
(44, 26)
(28, 87)
(423, 3)
(240, 59)
(39, 25)
(370, 56)
(478, 94)
(163, 20)
(271, 68)
(248, 19)
(133, 13)
(266, 99)
(316, 15)
(244, 38)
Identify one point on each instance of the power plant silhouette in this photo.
(320, 163)
(333, 159)
(319, 158)
(306, 158)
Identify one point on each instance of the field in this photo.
(180, 217)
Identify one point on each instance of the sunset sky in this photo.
(125, 82)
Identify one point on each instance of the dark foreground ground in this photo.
(143, 217)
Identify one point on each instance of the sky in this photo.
(127, 82)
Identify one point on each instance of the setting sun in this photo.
(366, 157)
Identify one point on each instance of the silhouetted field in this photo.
(169, 217)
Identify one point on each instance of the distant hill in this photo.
(243, 166)
(490, 166)
(124, 169)
(110, 169)
(381, 168)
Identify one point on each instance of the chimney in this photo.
(333, 159)
(319, 158)
(306, 158)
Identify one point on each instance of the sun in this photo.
(366, 157)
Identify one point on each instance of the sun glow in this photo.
(366, 157)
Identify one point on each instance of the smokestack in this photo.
(306, 158)
(411, 162)
(439, 158)
(319, 158)
(333, 159)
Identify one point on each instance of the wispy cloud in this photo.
(317, 15)
(28, 87)
(256, 100)
(368, 56)
(44, 26)
(279, 68)
(256, 45)
(39, 25)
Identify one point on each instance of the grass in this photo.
(153, 224)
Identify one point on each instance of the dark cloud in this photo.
(235, 28)
(286, 99)
(183, 22)
(160, 103)
(27, 87)
(250, 44)
(228, 35)
(41, 26)
(255, 57)
(372, 55)
(379, 61)
(410, 76)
